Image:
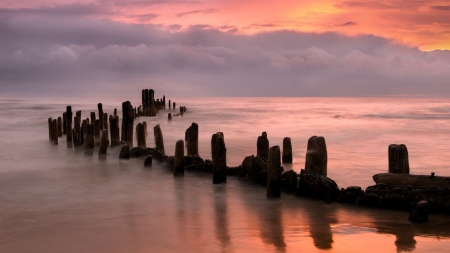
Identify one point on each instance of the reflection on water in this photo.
(54, 199)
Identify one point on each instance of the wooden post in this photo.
(100, 115)
(89, 139)
(114, 129)
(169, 116)
(140, 134)
(219, 159)
(170, 106)
(127, 123)
(158, 137)
(77, 139)
(145, 127)
(53, 131)
(49, 121)
(262, 146)
(274, 173)
(97, 127)
(104, 142)
(115, 112)
(64, 123)
(105, 121)
(191, 138)
(60, 131)
(287, 150)
(398, 159)
(316, 156)
(178, 166)
(69, 118)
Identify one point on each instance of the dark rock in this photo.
(136, 152)
(125, 152)
(394, 201)
(420, 212)
(247, 165)
(317, 186)
(289, 181)
(371, 199)
(148, 161)
(159, 155)
(350, 195)
(234, 171)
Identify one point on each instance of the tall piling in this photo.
(169, 116)
(159, 141)
(53, 131)
(59, 127)
(287, 150)
(69, 126)
(114, 130)
(219, 157)
(64, 118)
(76, 131)
(170, 106)
(92, 118)
(262, 146)
(100, 115)
(274, 173)
(316, 156)
(164, 102)
(127, 123)
(191, 138)
(140, 135)
(97, 128)
(398, 159)
(105, 121)
(213, 143)
(145, 127)
(115, 112)
(78, 114)
(178, 166)
(89, 138)
(49, 121)
(104, 142)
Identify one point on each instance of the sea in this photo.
(59, 199)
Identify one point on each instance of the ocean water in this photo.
(55, 199)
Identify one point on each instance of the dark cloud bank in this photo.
(72, 56)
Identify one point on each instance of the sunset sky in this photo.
(281, 48)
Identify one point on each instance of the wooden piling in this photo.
(92, 118)
(115, 112)
(127, 123)
(398, 159)
(316, 156)
(145, 127)
(104, 142)
(158, 137)
(89, 138)
(191, 138)
(262, 146)
(105, 121)
(140, 135)
(287, 150)
(170, 106)
(64, 118)
(60, 131)
(100, 115)
(69, 118)
(169, 116)
(76, 132)
(219, 157)
(97, 128)
(114, 130)
(178, 166)
(49, 121)
(274, 173)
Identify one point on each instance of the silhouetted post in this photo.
(181, 110)
(78, 114)
(164, 102)
(115, 112)
(170, 106)
(178, 167)
(174, 105)
(191, 138)
(158, 137)
(53, 131)
(287, 150)
(84, 129)
(169, 116)
(104, 142)
(92, 118)
(97, 128)
(69, 126)
(145, 127)
(64, 123)
(274, 173)
(114, 129)
(77, 139)
(398, 159)
(262, 146)
(219, 159)
(59, 127)
(316, 156)
(89, 139)
(100, 114)
(127, 123)
(140, 134)
(144, 100)
(151, 99)
(105, 121)
(213, 143)
(49, 121)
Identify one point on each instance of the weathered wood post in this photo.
(84, 129)
(169, 116)
(178, 166)
(274, 173)
(92, 118)
(191, 138)
(60, 131)
(114, 129)
(78, 114)
(100, 115)
(89, 139)
(287, 150)
(69, 126)
(398, 159)
(158, 137)
(164, 102)
(170, 106)
(104, 142)
(174, 105)
(213, 143)
(145, 127)
(54, 132)
(127, 123)
(97, 129)
(115, 112)
(181, 110)
(140, 135)
(219, 159)
(49, 121)
(77, 139)
(64, 118)
(316, 156)
(262, 146)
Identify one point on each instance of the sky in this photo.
(225, 47)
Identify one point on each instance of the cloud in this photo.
(349, 23)
(204, 11)
(440, 8)
(85, 56)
